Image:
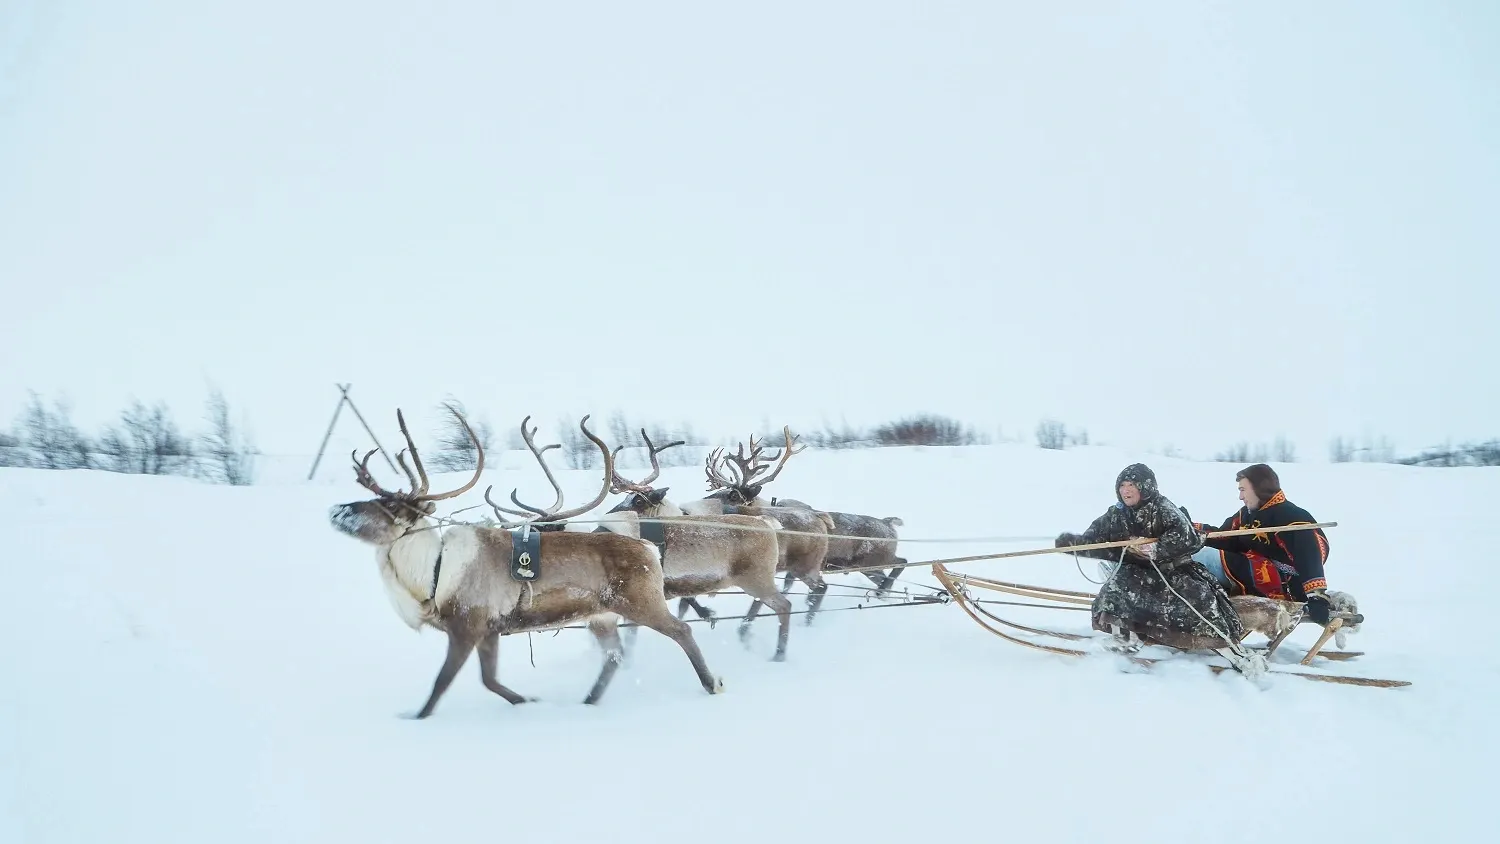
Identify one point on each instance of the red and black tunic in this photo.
(1273, 565)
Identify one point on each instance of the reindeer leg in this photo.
(460, 645)
(631, 634)
(678, 631)
(489, 660)
(703, 612)
(607, 633)
(766, 592)
(890, 579)
(815, 600)
(749, 619)
(786, 584)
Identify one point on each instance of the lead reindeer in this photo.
(854, 541)
(703, 554)
(476, 583)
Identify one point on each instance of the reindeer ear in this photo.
(658, 494)
(429, 507)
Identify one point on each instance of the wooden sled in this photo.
(955, 583)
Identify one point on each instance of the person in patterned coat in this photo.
(1287, 565)
(1138, 600)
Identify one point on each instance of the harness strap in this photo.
(437, 568)
(655, 533)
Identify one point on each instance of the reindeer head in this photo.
(642, 497)
(737, 479)
(551, 518)
(390, 515)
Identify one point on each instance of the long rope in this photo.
(624, 518)
(447, 521)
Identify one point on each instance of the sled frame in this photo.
(954, 584)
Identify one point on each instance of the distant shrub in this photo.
(1468, 454)
(1052, 434)
(842, 436)
(927, 429)
(1281, 451)
(455, 451)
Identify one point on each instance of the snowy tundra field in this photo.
(195, 663)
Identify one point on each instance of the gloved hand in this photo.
(1066, 539)
(1318, 608)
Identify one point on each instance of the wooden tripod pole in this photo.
(343, 400)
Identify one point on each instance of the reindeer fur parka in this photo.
(1136, 598)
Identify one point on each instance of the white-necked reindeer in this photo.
(705, 553)
(461, 580)
(854, 541)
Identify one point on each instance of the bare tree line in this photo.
(1367, 450)
(146, 440)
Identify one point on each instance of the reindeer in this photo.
(854, 541)
(465, 581)
(803, 541)
(706, 553)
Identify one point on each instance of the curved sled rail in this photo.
(954, 584)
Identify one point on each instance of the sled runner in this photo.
(1027, 636)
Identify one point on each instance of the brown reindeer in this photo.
(803, 540)
(702, 554)
(854, 541)
(464, 580)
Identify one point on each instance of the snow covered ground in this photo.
(195, 663)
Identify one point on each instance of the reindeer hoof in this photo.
(413, 716)
(779, 657)
(718, 688)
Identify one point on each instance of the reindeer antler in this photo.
(551, 514)
(743, 471)
(537, 453)
(622, 484)
(362, 474)
(418, 480)
(784, 456)
(421, 490)
(717, 479)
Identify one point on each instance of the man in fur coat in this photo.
(1287, 565)
(1138, 600)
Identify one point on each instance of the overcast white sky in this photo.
(1186, 222)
